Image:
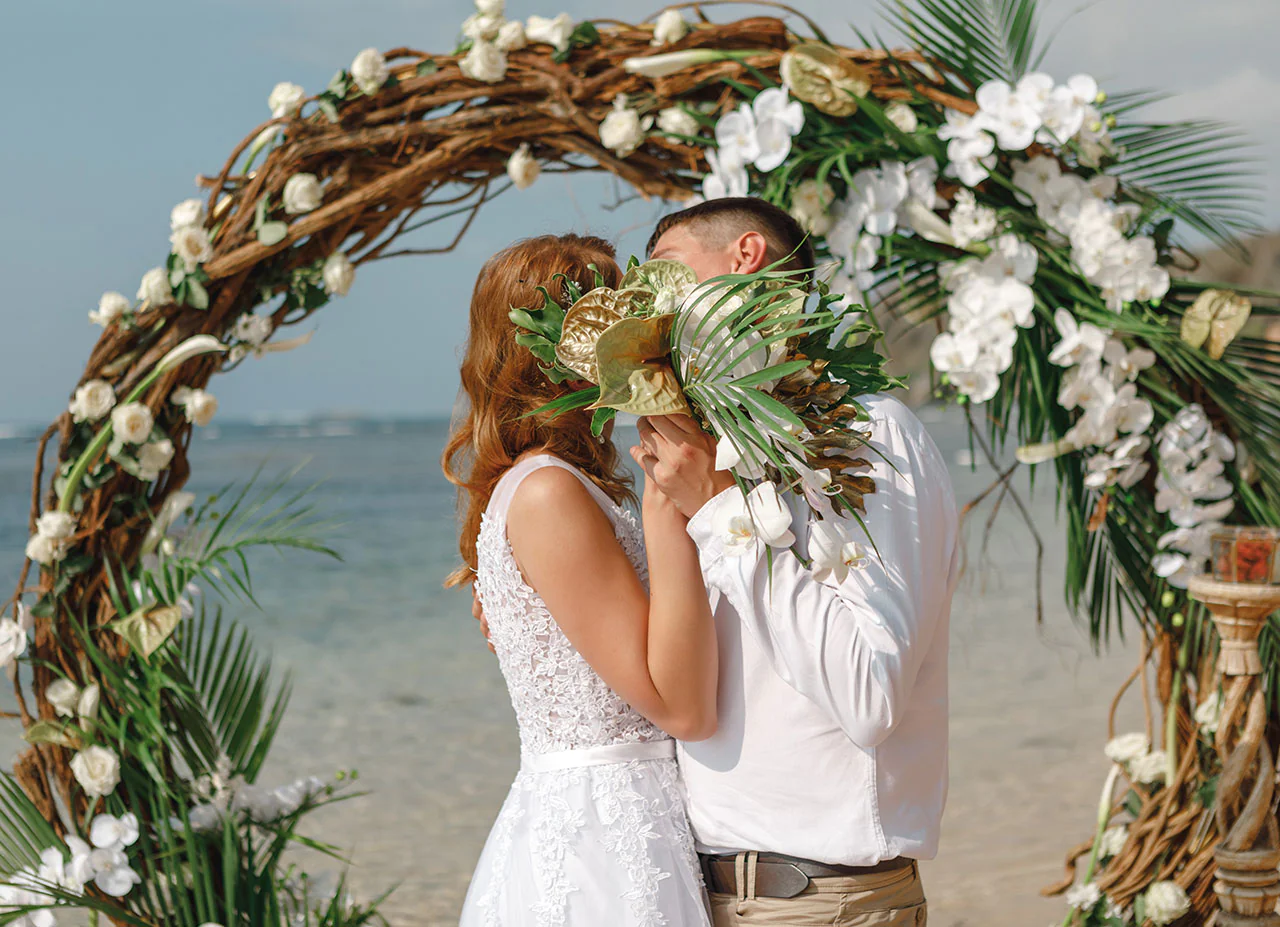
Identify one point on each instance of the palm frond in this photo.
(1197, 171)
(980, 39)
(232, 702)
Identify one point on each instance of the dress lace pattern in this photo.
(622, 823)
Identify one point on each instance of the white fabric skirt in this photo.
(589, 838)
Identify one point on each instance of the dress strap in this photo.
(511, 480)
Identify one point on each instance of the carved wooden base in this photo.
(1248, 882)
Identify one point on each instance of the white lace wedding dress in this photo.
(593, 832)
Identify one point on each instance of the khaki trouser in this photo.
(882, 899)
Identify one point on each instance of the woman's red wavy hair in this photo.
(504, 384)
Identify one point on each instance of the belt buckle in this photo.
(789, 881)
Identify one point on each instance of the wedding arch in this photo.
(1033, 223)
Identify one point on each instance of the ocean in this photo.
(392, 678)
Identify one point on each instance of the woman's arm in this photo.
(658, 653)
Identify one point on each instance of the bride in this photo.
(606, 659)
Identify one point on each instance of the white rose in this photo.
(1127, 747)
(479, 26)
(93, 400)
(285, 99)
(511, 36)
(132, 422)
(1166, 902)
(302, 193)
(623, 130)
(56, 526)
(111, 306)
(154, 290)
(809, 206)
(485, 62)
(523, 167)
(13, 640)
(669, 28)
(370, 71)
(153, 457)
(97, 769)
(1149, 769)
(1113, 841)
(188, 212)
(491, 7)
(255, 329)
(191, 243)
(675, 120)
(902, 116)
(63, 694)
(339, 274)
(198, 406)
(1208, 713)
(44, 551)
(539, 29)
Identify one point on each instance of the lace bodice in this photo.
(560, 702)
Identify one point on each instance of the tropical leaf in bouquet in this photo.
(668, 281)
(588, 319)
(634, 366)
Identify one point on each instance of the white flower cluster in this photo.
(1192, 489)
(756, 135)
(1012, 118)
(1085, 214)
(1100, 381)
(1134, 753)
(492, 35)
(876, 205)
(227, 796)
(13, 636)
(523, 167)
(52, 538)
(990, 300)
(101, 861)
(624, 128)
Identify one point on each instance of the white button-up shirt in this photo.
(832, 738)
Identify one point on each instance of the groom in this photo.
(825, 781)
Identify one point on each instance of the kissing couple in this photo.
(711, 732)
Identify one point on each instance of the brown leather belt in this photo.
(779, 876)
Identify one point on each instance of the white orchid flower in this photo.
(1081, 343)
(832, 552)
(727, 177)
(744, 523)
(736, 137)
(728, 457)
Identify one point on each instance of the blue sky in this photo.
(113, 109)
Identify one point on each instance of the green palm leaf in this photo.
(980, 39)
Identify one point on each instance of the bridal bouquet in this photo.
(765, 362)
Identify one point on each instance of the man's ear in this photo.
(748, 254)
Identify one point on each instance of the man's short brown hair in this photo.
(729, 217)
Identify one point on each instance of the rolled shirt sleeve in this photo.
(853, 648)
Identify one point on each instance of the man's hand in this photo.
(680, 458)
(477, 612)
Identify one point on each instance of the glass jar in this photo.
(1246, 555)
